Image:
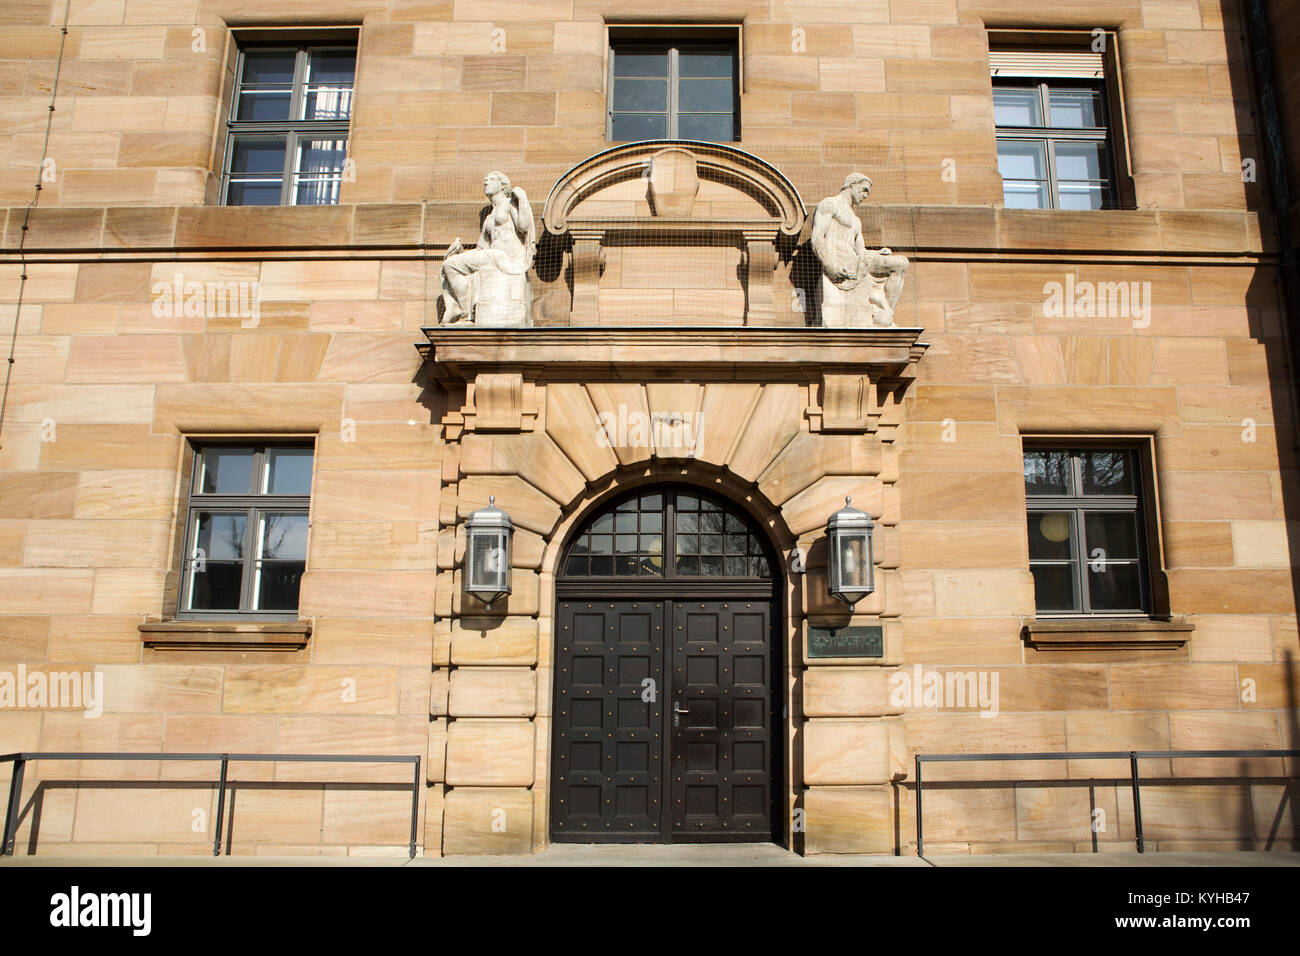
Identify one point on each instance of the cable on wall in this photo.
(27, 215)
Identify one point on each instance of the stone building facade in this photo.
(670, 363)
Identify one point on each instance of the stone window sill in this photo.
(226, 635)
(1106, 633)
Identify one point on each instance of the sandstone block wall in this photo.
(106, 395)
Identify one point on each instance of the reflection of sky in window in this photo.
(227, 471)
(1017, 160)
(258, 155)
(1016, 108)
(1075, 110)
(284, 536)
(269, 67)
(289, 471)
(1078, 161)
(221, 536)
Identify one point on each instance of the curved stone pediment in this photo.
(674, 184)
(668, 231)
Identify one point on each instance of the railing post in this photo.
(15, 804)
(1137, 799)
(920, 845)
(221, 806)
(415, 804)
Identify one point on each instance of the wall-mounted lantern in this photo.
(848, 535)
(487, 553)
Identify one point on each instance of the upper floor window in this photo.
(1054, 130)
(1087, 549)
(246, 529)
(288, 125)
(674, 88)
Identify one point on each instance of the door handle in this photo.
(678, 710)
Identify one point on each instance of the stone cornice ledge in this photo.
(460, 353)
(226, 635)
(1105, 634)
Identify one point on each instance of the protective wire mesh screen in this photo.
(676, 245)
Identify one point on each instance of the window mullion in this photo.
(297, 98)
(609, 94)
(187, 558)
(1081, 562)
(1049, 149)
(225, 168)
(259, 470)
(239, 86)
(1054, 196)
(290, 167)
(673, 66)
(245, 578)
(296, 113)
(670, 535)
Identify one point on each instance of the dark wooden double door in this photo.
(664, 720)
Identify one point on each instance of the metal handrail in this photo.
(1133, 756)
(20, 763)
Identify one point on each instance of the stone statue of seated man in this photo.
(859, 286)
(488, 285)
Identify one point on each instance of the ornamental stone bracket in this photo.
(663, 200)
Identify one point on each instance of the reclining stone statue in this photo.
(488, 285)
(859, 286)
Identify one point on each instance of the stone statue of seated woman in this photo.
(488, 285)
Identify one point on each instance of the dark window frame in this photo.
(717, 40)
(252, 506)
(1050, 136)
(295, 131)
(1139, 505)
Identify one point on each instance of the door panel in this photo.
(608, 740)
(627, 703)
(720, 741)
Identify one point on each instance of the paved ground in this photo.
(741, 856)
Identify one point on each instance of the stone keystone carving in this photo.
(859, 286)
(488, 285)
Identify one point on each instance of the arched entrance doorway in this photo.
(667, 693)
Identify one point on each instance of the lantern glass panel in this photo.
(489, 564)
(854, 564)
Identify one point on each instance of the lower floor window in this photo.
(1087, 543)
(246, 529)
